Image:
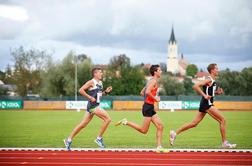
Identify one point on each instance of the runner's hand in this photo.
(157, 98)
(92, 99)
(219, 91)
(109, 89)
(207, 97)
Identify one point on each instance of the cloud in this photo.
(14, 13)
(12, 21)
(205, 30)
(98, 54)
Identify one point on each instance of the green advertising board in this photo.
(106, 104)
(11, 104)
(190, 105)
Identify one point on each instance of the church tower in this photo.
(172, 61)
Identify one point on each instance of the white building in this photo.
(175, 65)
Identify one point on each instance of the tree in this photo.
(133, 80)
(2, 75)
(119, 62)
(126, 79)
(53, 82)
(172, 86)
(188, 85)
(191, 70)
(59, 79)
(230, 82)
(82, 57)
(8, 77)
(144, 68)
(3, 90)
(27, 67)
(245, 81)
(84, 71)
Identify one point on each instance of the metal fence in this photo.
(127, 98)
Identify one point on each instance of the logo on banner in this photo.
(11, 104)
(76, 104)
(170, 105)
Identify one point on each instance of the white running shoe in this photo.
(226, 144)
(123, 122)
(172, 137)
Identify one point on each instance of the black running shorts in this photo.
(204, 105)
(148, 110)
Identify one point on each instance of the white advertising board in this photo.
(170, 105)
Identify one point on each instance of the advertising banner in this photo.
(170, 105)
(76, 104)
(105, 104)
(11, 104)
(190, 105)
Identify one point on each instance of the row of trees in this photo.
(26, 72)
(236, 83)
(35, 72)
(172, 86)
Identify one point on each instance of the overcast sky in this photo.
(207, 31)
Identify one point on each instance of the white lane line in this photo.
(43, 154)
(127, 149)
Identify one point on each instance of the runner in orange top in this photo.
(150, 100)
(150, 97)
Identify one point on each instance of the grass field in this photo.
(49, 128)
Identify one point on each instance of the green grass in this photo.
(48, 128)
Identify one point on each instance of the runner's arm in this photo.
(85, 87)
(142, 92)
(197, 88)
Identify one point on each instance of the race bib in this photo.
(214, 89)
(99, 95)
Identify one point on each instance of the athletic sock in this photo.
(99, 138)
(69, 139)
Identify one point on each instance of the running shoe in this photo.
(226, 144)
(121, 122)
(160, 149)
(99, 142)
(67, 144)
(172, 137)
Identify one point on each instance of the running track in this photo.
(122, 157)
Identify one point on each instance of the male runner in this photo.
(150, 97)
(206, 106)
(94, 87)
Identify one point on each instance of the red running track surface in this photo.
(99, 158)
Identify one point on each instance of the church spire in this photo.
(172, 38)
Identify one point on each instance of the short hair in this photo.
(211, 66)
(95, 69)
(153, 68)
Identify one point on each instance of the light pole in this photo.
(76, 77)
(76, 81)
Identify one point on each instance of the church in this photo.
(175, 64)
